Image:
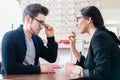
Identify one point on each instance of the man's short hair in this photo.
(33, 9)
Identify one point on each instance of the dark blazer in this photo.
(103, 59)
(14, 52)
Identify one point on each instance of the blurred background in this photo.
(62, 17)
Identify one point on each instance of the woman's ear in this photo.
(89, 20)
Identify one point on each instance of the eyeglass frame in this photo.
(42, 23)
(77, 18)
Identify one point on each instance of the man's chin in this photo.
(36, 33)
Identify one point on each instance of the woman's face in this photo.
(82, 24)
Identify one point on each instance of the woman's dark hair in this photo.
(33, 9)
(94, 13)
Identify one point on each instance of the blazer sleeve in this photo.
(101, 51)
(9, 63)
(81, 62)
(49, 52)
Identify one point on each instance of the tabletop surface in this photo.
(55, 76)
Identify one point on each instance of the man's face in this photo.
(82, 24)
(37, 23)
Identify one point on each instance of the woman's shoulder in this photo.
(101, 35)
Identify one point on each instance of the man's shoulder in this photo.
(10, 35)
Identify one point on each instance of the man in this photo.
(21, 48)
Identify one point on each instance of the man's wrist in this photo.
(51, 39)
(50, 35)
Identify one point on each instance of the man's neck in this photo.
(27, 33)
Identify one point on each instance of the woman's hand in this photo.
(72, 39)
(71, 68)
(78, 70)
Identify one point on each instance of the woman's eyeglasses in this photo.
(77, 18)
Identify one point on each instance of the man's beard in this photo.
(31, 31)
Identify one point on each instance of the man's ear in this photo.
(89, 20)
(28, 19)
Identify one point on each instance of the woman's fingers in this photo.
(77, 70)
(74, 34)
(69, 67)
(72, 37)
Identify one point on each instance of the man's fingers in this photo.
(48, 27)
(51, 70)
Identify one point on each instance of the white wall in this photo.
(112, 17)
(111, 12)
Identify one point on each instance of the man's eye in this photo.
(41, 21)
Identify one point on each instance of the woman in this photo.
(103, 59)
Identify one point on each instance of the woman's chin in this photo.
(81, 32)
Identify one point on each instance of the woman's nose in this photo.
(76, 25)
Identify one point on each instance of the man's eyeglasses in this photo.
(42, 23)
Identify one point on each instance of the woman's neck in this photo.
(91, 31)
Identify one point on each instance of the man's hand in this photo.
(49, 31)
(45, 68)
(49, 68)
